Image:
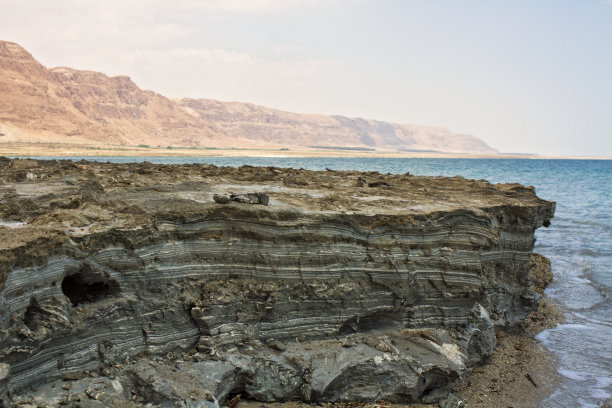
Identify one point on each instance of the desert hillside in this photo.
(273, 126)
(65, 105)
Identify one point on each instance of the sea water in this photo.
(578, 243)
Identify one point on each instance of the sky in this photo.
(526, 76)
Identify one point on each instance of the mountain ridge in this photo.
(66, 105)
(249, 120)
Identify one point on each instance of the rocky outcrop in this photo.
(70, 106)
(136, 287)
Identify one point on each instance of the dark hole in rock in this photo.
(374, 321)
(33, 315)
(85, 287)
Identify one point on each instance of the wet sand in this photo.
(23, 149)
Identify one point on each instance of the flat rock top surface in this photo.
(78, 198)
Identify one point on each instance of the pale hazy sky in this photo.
(523, 75)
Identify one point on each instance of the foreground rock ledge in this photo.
(128, 284)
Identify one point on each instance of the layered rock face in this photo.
(138, 287)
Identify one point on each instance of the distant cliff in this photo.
(273, 126)
(64, 105)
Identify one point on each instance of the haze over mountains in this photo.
(64, 105)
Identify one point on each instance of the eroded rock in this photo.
(323, 293)
(5, 371)
(248, 198)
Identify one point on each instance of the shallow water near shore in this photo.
(578, 243)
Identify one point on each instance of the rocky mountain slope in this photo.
(67, 105)
(307, 130)
(64, 105)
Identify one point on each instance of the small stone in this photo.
(262, 198)
(276, 345)
(452, 401)
(222, 198)
(5, 370)
(348, 342)
(382, 346)
(249, 198)
(74, 376)
(241, 198)
(378, 184)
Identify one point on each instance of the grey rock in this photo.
(185, 386)
(222, 198)
(184, 302)
(249, 198)
(481, 338)
(443, 398)
(276, 345)
(452, 401)
(348, 342)
(5, 371)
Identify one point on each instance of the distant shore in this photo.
(22, 149)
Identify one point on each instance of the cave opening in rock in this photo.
(376, 321)
(33, 315)
(85, 288)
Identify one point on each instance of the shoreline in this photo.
(506, 379)
(521, 372)
(14, 149)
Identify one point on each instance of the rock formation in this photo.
(65, 105)
(128, 284)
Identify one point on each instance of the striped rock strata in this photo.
(136, 287)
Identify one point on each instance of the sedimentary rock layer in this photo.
(298, 285)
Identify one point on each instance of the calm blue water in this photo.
(578, 243)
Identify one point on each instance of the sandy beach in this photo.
(22, 149)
